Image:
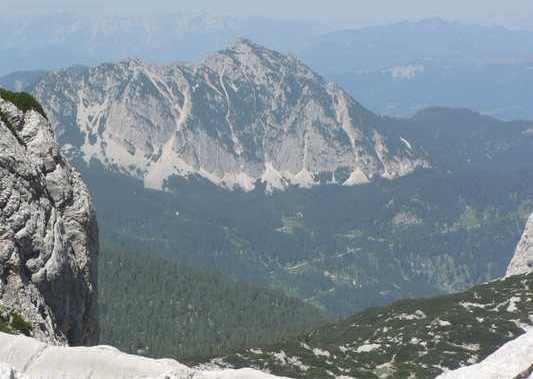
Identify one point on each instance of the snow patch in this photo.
(512, 304)
(418, 315)
(368, 348)
(443, 322)
(321, 353)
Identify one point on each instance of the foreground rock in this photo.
(48, 232)
(25, 358)
(522, 261)
(512, 360)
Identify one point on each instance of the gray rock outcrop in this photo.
(513, 360)
(48, 233)
(522, 261)
(244, 115)
(26, 358)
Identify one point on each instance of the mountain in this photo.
(428, 41)
(234, 121)
(512, 360)
(26, 358)
(244, 115)
(185, 313)
(129, 126)
(49, 241)
(501, 90)
(410, 338)
(459, 139)
(522, 261)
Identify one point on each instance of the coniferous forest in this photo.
(156, 307)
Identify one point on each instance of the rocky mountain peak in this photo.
(48, 233)
(258, 63)
(244, 115)
(245, 44)
(243, 48)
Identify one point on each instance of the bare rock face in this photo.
(48, 232)
(512, 360)
(245, 115)
(24, 358)
(522, 262)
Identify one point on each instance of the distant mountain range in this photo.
(64, 39)
(499, 90)
(429, 42)
(391, 69)
(401, 68)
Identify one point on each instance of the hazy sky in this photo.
(510, 12)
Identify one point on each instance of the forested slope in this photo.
(156, 307)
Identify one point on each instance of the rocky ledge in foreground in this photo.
(514, 360)
(26, 358)
(48, 232)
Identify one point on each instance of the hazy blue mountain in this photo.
(431, 41)
(504, 91)
(21, 80)
(394, 69)
(66, 39)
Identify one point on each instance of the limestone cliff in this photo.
(522, 261)
(48, 231)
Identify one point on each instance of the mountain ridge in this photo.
(411, 338)
(246, 114)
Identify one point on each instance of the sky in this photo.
(504, 12)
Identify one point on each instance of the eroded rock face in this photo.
(522, 261)
(245, 115)
(48, 233)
